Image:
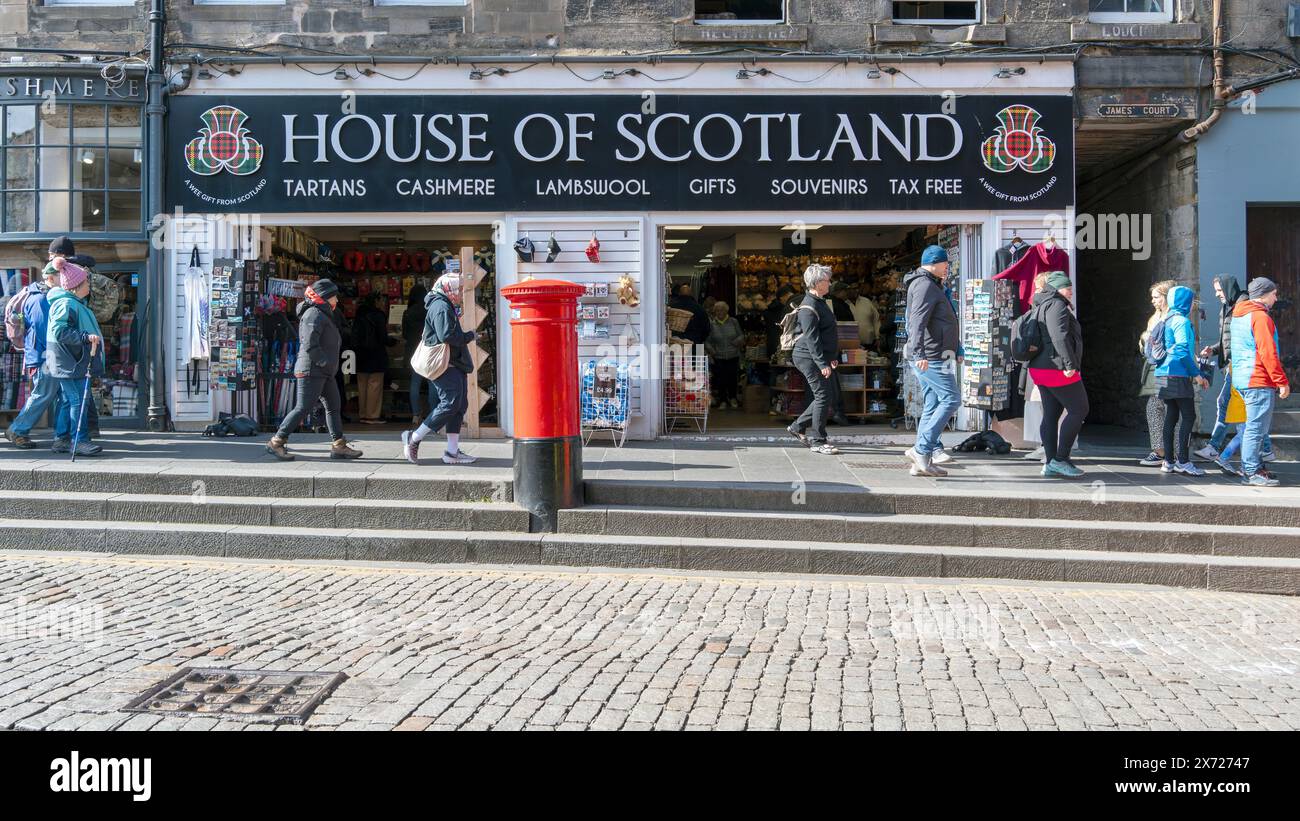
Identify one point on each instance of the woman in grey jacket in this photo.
(725, 344)
(442, 324)
(320, 339)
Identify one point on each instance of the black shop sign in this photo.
(619, 152)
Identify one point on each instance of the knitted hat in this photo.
(62, 246)
(1261, 286)
(933, 254)
(1058, 280)
(325, 288)
(71, 275)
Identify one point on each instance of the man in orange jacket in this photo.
(1257, 374)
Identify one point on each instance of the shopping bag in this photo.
(430, 361)
(1236, 413)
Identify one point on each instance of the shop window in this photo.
(734, 12)
(1131, 11)
(937, 12)
(71, 167)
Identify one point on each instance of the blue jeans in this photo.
(939, 386)
(70, 393)
(45, 389)
(1259, 418)
(1221, 427)
(453, 401)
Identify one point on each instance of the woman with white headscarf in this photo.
(442, 324)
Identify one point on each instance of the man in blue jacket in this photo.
(933, 349)
(45, 388)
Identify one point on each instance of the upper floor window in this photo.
(1131, 11)
(90, 2)
(421, 2)
(937, 12)
(239, 2)
(71, 168)
(739, 11)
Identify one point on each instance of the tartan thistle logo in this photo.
(1018, 143)
(223, 143)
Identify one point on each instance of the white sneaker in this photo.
(410, 447)
(1168, 467)
(1188, 469)
(917, 462)
(941, 457)
(1036, 454)
(458, 458)
(1209, 453)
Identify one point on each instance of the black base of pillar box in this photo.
(548, 478)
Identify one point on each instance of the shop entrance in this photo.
(382, 275)
(729, 286)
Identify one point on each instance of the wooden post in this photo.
(472, 316)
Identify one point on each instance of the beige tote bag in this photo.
(430, 361)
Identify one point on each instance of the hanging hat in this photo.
(552, 249)
(524, 248)
(593, 249)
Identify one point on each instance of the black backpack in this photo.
(1026, 336)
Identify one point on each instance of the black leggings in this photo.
(1064, 410)
(313, 389)
(1180, 412)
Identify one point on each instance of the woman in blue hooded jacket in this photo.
(1177, 376)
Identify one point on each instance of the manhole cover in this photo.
(892, 465)
(275, 696)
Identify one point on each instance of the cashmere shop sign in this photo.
(614, 152)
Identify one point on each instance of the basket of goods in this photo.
(678, 319)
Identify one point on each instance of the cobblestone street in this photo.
(445, 648)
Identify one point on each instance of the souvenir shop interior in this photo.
(753, 385)
(252, 329)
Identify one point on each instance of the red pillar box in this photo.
(547, 429)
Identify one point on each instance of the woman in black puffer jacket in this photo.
(320, 342)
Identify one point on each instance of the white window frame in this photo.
(784, 14)
(90, 2)
(239, 2)
(1166, 16)
(421, 2)
(976, 20)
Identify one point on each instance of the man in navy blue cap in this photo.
(933, 349)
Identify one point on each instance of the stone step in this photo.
(257, 480)
(1285, 421)
(1235, 505)
(1227, 573)
(928, 529)
(386, 514)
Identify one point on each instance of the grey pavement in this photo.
(439, 648)
(873, 461)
